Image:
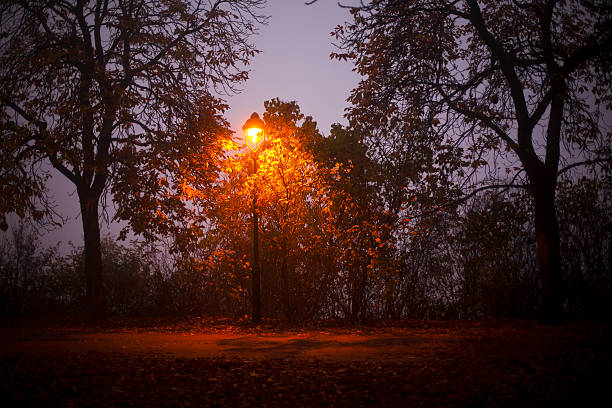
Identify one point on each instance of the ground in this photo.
(205, 362)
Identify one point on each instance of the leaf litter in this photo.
(463, 364)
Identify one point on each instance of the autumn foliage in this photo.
(330, 245)
(472, 179)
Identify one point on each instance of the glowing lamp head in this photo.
(253, 129)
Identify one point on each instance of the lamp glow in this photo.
(254, 132)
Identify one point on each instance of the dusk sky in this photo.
(294, 64)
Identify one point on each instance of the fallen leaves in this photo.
(98, 379)
(476, 365)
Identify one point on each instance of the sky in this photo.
(293, 65)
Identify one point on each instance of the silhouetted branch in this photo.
(584, 163)
(39, 123)
(467, 197)
(308, 3)
(489, 187)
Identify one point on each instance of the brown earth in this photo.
(399, 364)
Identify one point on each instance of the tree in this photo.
(292, 186)
(24, 267)
(357, 221)
(585, 218)
(475, 95)
(290, 190)
(117, 95)
(493, 280)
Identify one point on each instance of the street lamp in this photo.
(254, 135)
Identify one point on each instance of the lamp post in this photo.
(254, 136)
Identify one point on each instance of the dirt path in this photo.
(310, 345)
(443, 364)
(400, 344)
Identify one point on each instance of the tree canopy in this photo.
(463, 96)
(475, 124)
(119, 96)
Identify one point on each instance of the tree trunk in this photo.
(285, 280)
(549, 252)
(359, 282)
(96, 300)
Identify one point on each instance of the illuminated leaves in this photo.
(293, 206)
